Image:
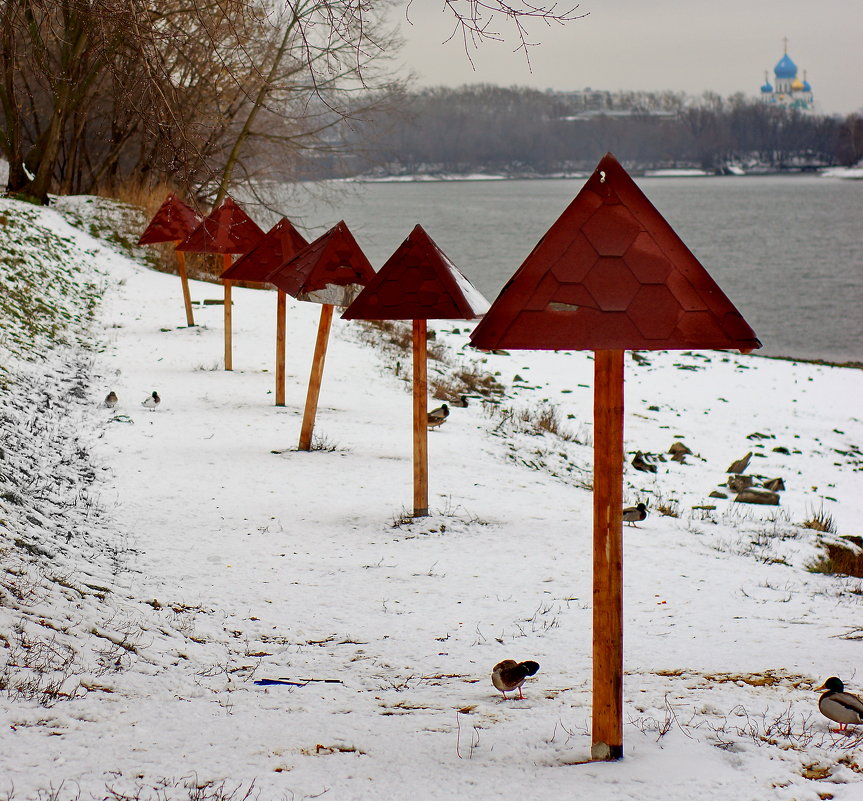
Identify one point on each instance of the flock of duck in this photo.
(846, 709)
(842, 707)
(150, 402)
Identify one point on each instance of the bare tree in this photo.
(199, 92)
(478, 21)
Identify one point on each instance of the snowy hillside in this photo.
(155, 565)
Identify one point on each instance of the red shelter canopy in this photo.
(418, 282)
(612, 274)
(227, 229)
(173, 221)
(331, 270)
(279, 245)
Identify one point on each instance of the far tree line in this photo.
(519, 130)
(205, 96)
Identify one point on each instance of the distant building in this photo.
(787, 89)
(586, 104)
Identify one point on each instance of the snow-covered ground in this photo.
(155, 565)
(851, 173)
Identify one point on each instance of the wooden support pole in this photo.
(229, 359)
(184, 280)
(281, 312)
(607, 735)
(315, 377)
(421, 480)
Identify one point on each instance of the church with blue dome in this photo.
(787, 89)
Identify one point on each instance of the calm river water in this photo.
(787, 250)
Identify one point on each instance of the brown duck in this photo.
(509, 675)
(437, 416)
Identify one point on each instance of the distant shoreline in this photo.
(851, 365)
(841, 173)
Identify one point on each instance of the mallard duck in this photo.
(509, 675)
(437, 416)
(111, 399)
(640, 463)
(633, 513)
(152, 402)
(836, 704)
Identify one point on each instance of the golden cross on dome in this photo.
(785, 44)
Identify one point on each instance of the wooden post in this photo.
(229, 360)
(421, 480)
(184, 280)
(281, 306)
(315, 377)
(607, 735)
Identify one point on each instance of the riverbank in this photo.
(733, 170)
(206, 554)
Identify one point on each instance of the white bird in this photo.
(152, 402)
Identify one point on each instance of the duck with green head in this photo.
(845, 708)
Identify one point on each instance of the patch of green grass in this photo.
(46, 301)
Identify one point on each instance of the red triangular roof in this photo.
(418, 282)
(172, 222)
(330, 270)
(611, 274)
(227, 229)
(279, 245)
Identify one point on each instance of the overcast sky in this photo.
(689, 45)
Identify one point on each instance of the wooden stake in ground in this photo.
(184, 280)
(607, 735)
(173, 222)
(229, 360)
(418, 283)
(315, 377)
(329, 271)
(281, 324)
(230, 231)
(420, 418)
(611, 275)
(280, 244)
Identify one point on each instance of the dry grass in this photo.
(146, 196)
(395, 338)
(769, 678)
(668, 509)
(821, 521)
(535, 420)
(149, 197)
(394, 333)
(398, 335)
(467, 382)
(838, 558)
(546, 420)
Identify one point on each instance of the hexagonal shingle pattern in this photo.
(612, 274)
